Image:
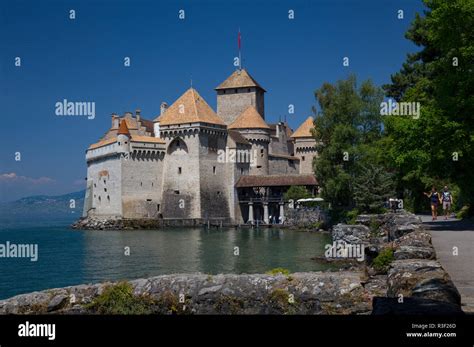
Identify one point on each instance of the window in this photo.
(241, 170)
(108, 198)
(179, 171)
(248, 90)
(148, 199)
(158, 207)
(302, 158)
(176, 192)
(141, 184)
(214, 170)
(261, 152)
(105, 189)
(105, 182)
(95, 185)
(218, 193)
(236, 90)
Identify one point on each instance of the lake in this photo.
(70, 257)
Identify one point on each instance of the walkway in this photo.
(460, 234)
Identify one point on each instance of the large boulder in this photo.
(412, 252)
(351, 234)
(418, 238)
(421, 278)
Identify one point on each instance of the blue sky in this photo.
(82, 60)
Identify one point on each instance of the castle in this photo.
(191, 165)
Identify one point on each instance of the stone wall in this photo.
(142, 185)
(306, 151)
(104, 176)
(299, 293)
(181, 178)
(413, 273)
(230, 104)
(282, 165)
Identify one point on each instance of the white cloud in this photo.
(12, 177)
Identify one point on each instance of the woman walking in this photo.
(434, 200)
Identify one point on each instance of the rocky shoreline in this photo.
(116, 224)
(398, 275)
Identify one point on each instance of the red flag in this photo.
(239, 39)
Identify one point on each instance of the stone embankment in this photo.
(298, 293)
(412, 276)
(399, 274)
(116, 224)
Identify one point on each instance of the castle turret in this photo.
(123, 138)
(305, 146)
(252, 127)
(236, 94)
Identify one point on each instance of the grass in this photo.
(278, 271)
(120, 300)
(383, 260)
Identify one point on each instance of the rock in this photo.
(411, 252)
(413, 306)
(352, 234)
(418, 238)
(371, 219)
(421, 278)
(313, 293)
(57, 302)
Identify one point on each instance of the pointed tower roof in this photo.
(189, 108)
(123, 128)
(249, 119)
(239, 79)
(305, 129)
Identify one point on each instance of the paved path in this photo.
(460, 234)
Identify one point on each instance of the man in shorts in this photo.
(447, 199)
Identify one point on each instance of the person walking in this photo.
(447, 199)
(434, 200)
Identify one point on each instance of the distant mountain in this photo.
(43, 207)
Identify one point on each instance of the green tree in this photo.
(297, 192)
(439, 146)
(372, 187)
(346, 130)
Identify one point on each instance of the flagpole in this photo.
(240, 51)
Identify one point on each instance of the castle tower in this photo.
(194, 181)
(304, 145)
(252, 126)
(123, 138)
(238, 92)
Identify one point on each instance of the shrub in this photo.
(279, 270)
(351, 216)
(383, 260)
(119, 299)
(463, 212)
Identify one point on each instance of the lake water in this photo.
(69, 257)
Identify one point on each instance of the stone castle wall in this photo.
(104, 176)
(305, 150)
(231, 104)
